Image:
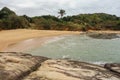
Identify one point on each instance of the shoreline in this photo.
(8, 38)
(24, 39)
(105, 31)
(29, 44)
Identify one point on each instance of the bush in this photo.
(14, 22)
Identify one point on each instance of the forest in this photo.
(82, 22)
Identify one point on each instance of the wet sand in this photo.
(26, 38)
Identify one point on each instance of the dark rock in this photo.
(103, 35)
(114, 67)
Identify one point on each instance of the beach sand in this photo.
(20, 40)
(26, 38)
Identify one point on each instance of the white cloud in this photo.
(44, 7)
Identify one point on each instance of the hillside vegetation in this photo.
(82, 22)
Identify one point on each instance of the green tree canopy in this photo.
(5, 12)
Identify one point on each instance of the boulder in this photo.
(14, 66)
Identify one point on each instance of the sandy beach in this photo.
(22, 39)
(25, 38)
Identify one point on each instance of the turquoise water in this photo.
(81, 47)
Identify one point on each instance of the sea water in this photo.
(80, 47)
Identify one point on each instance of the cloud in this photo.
(45, 7)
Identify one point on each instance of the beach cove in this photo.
(11, 37)
(79, 46)
(42, 66)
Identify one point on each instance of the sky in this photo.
(72, 7)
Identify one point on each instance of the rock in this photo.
(114, 67)
(103, 35)
(21, 66)
(14, 66)
(70, 70)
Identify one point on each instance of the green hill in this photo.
(96, 21)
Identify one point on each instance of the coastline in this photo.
(23, 39)
(26, 38)
(105, 31)
(28, 44)
(27, 66)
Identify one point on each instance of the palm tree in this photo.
(61, 12)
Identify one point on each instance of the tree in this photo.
(61, 12)
(5, 12)
(29, 19)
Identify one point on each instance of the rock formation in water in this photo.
(103, 35)
(19, 66)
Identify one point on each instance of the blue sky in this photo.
(72, 7)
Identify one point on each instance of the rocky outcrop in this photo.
(70, 70)
(103, 35)
(15, 66)
(19, 66)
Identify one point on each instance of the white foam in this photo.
(54, 39)
(100, 62)
(65, 56)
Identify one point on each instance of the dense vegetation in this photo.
(96, 21)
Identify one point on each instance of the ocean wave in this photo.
(67, 57)
(54, 39)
